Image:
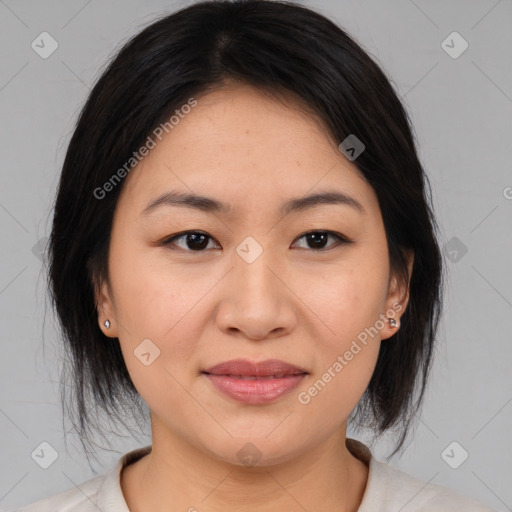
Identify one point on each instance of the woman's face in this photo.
(254, 287)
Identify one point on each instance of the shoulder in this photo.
(82, 498)
(390, 488)
(101, 493)
(403, 491)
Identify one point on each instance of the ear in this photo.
(106, 310)
(397, 299)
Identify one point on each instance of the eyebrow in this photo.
(208, 204)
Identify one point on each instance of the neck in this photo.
(178, 475)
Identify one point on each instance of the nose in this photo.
(257, 301)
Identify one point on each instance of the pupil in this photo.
(317, 237)
(194, 238)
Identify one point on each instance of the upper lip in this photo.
(245, 367)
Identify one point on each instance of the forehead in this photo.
(241, 145)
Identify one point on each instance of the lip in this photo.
(244, 367)
(255, 382)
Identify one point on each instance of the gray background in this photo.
(461, 110)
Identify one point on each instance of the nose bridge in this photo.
(253, 264)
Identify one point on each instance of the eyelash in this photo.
(342, 240)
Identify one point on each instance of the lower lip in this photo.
(257, 391)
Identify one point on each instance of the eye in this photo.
(197, 241)
(318, 239)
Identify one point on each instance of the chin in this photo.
(253, 452)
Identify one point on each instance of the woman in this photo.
(243, 238)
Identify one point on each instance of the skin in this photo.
(295, 302)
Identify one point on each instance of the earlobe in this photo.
(105, 310)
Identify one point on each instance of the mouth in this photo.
(252, 377)
(243, 368)
(255, 383)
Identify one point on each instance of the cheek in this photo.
(347, 354)
(155, 302)
(338, 386)
(157, 305)
(149, 294)
(346, 299)
(346, 303)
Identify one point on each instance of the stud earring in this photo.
(392, 322)
(106, 323)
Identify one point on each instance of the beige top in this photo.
(388, 489)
